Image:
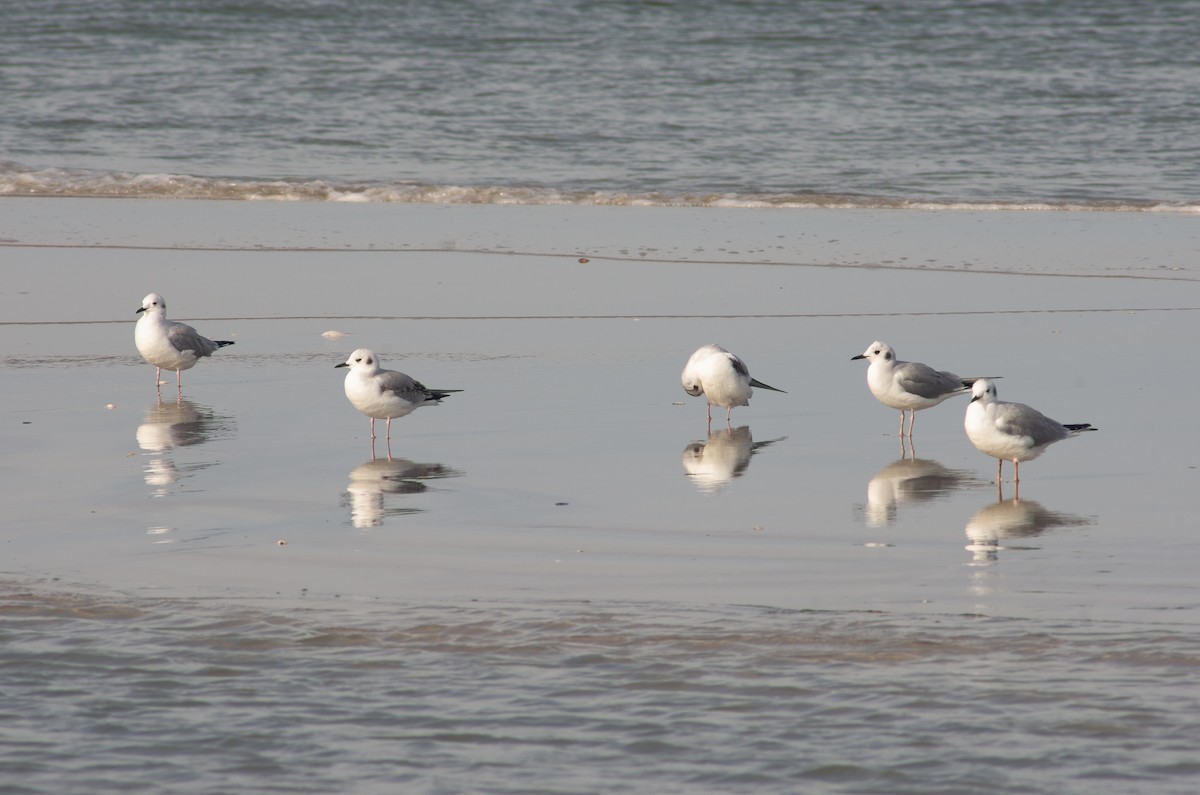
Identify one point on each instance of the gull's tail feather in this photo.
(1080, 427)
(222, 343)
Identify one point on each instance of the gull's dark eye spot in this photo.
(887, 356)
(369, 361)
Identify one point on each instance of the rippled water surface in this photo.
(105, 692)
(854, 103)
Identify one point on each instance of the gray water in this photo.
(102, 695)
(563, 582)
(830, 102)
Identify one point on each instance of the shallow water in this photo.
(562, 582)
(203, 696)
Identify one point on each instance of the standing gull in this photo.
(385, 394)
(168, 344)
(1011, 431)
(908, 386)
(722, 377)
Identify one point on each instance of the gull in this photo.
(908, 386)
(722, 377)
(1011, 431)
(166, 343)
(385, 394)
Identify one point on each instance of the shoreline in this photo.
(589, 414)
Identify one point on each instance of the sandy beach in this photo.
(560, 471)
(562, 580)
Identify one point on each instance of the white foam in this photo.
(16, 180)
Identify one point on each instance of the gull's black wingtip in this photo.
(756, 383)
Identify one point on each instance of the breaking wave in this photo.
(16, 180)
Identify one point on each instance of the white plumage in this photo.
(722, 377)
(1011, 431)
(169, 344)
(385, 394)
(908, 386)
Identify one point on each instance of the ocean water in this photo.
(562, 581)
(581, 698)
(853, 103)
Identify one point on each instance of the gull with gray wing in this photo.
(908, 386)
(385, 394)
(1012, 431)
(167, 343)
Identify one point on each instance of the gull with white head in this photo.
(1012, 431)
(167, 343)
(722, 377)
(385, 394)
(908, 386)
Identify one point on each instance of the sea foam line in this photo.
(16, 180)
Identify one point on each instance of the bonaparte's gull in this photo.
(908, 386)
(1011, 431)
(722, 377)
(168, 344)
(385, 394)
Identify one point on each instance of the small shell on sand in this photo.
(333, 335)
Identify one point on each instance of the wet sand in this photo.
(573, 466)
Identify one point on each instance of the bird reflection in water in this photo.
(909, 479)
(1011, 519)
(722, 457)
(370, 482)
(171, 424)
